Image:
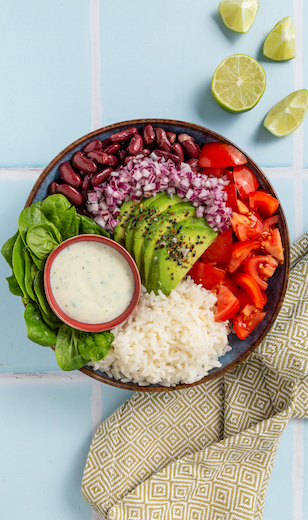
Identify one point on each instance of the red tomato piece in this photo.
(245, 180)
(230, 284)
(231, 201)
(220, 248)
(245, 281)
(261, 268)
(240, 251)
(246, 227)
(206, 274)
(272, 243)
(216, 154)
(270, 222)
(227, 304)
(265, 203)
(247, 320)
(215, 172)
(244, 298)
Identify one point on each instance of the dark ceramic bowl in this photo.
(277, 284)
(63, 316)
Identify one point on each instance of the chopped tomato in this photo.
(241, 207)
(227, 304)
(261, 268)
(240, 251)
(245, 281)
(273, 244)
(247, 320)
(230, 284)
(231, 201)
(206, 274)
(216, 154)
(270, 222)
(265, 203)
(215, 172)
(220, 248)
(245, 180)
(246, 227)
(244, 298)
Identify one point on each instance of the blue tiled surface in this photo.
(157, 60)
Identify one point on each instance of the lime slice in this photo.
(238, 15)
(288, 114)
(238, 83)
(279, 45)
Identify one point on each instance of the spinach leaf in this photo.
(18, 259)
(51, 319)
(62, 214)
(14, 286)
(30, 272)
(29, 217)
(95, 346)
(7, 249)
(42, 239)
(39, 262)
(37, 330)
(88, 226)
(40, 297)
(66, 349)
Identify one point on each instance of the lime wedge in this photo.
(238, 15)
(238, 83)
(279, 45)
(288, 114)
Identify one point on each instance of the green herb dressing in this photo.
(91, 282)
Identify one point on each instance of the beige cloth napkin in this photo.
(207, 452)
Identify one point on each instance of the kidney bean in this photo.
(162, 139)
(52, 188)
(135, 144)
(184, 137)
(191, 149)
(71, 193)
(145, 152)
(101, 176)
(112, 148)
(168, 155)
(148, 134)
(178, 150)
(124, 135)
(83, 163)
(104, 158)
(96, 144)
(86, 181)
(171, 136)
(194, 164)
(122, 154)
(69, 175)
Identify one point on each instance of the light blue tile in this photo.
(45, 79)
(112, 398)
(46, 431)
(159, 59)
(17, 353)
(279, 503)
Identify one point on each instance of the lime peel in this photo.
(287, 115)
(238, 83)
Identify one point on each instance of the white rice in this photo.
(168, 340)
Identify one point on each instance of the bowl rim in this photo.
(77, 324)
(214, 136)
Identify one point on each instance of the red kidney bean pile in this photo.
(93, 164)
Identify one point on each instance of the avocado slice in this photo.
(126, 211)
(150, 216)
(172, 259)
(138, 214)
(157, 230)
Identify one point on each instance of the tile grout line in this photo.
(298, 469)
(96, 107)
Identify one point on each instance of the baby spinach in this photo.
(18, 260)
(30, 216)
(95, 346)
(37, 330)
(42, 239)
(30, 272)
(7, 249)
(62, 214)
(14, 286)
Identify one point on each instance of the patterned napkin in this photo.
(207, 452)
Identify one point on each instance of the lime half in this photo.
(238, 15)
(238, 83)
(279, 44)
(288, 114)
